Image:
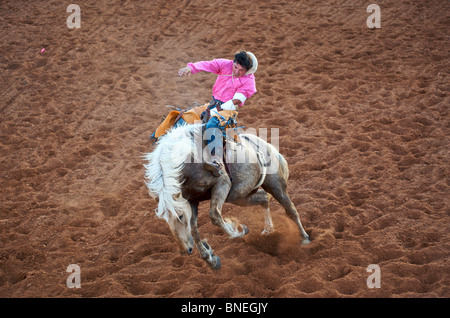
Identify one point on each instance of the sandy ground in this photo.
(363, 119)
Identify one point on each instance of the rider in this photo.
(234, 85)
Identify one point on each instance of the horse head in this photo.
(180, 226)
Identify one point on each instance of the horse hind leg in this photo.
(261, 198)
(268, 224)
(279, 193)
(292, 213)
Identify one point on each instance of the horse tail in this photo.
(163, 171)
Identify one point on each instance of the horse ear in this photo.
(255, 64)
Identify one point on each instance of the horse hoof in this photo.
(216, 263)
(245, 229)
(306, 241)
(267, 232)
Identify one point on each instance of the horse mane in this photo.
(163, 171)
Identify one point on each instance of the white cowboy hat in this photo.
(255, 64)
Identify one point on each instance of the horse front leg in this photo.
(203, 247)
(218, 195)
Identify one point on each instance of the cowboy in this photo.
(234, 85)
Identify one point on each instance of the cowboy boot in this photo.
(213, 161)
(215, 165)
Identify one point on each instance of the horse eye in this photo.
(181, 217)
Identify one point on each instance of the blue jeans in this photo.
(215, 137)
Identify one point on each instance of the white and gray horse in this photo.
(176, 178)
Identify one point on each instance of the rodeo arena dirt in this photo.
(362, 114)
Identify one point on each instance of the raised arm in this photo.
(214, 66)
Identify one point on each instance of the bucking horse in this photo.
(177, 179)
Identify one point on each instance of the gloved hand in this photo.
(228, 105)
(185, 70)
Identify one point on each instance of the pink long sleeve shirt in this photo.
(226, 86)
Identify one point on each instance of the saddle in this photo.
(193, 116)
